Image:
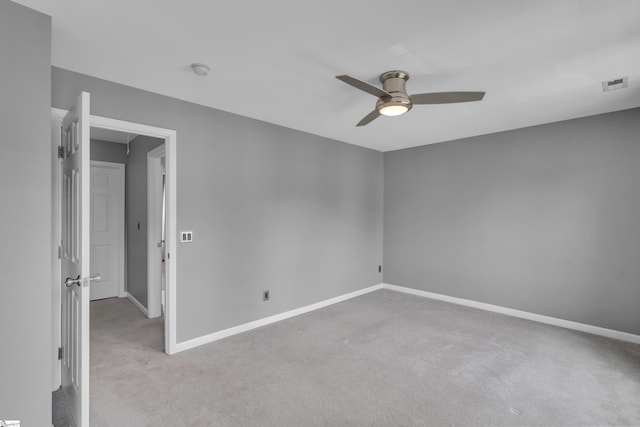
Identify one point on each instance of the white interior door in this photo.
(75, 259)
(107, 229)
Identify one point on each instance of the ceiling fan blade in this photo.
(446, 97)
(359, 84)
(369, 118)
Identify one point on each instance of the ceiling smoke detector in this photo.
(619, 83)
(200, 69)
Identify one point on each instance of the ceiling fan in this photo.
(393, 99)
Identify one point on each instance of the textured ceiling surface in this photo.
(538, 61)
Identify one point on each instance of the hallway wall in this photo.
(136, 203)
(107, 151)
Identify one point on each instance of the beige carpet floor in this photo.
(383, 359)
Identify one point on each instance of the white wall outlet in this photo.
(186, 236)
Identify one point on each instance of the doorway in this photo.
(170, 140)
(139, 224)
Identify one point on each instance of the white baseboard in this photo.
(195, 342)
(137, 303)
(205, 339)
(596, 330)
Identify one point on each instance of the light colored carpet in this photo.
(61, 411)
(383, 359)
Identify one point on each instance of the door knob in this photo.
(70, 282)
(78, 281)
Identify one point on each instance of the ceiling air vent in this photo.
(619, 83)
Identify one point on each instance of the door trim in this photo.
(120, 169)
(56, 266)
(154, 224)
(171, 139)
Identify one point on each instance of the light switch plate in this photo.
(186, 236)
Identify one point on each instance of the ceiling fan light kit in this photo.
(393, 110)
(393, 99)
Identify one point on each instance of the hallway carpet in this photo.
(62, 416)
(383, 359)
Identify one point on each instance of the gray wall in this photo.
(543, 219)
(107, 151)
(25, 174)
(136, 202)
(270, 207)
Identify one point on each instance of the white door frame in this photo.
(170, 138)
(120, 171)
(56, 251)
(154, 225)
(170, 141)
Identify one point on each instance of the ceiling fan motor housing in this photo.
(394, 82)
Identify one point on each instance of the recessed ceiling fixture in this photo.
(200, 69)
(393, 99)
(613, 84)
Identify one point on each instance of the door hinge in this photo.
(60, 152)
(59, 353)
(59, 252)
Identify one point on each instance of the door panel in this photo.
(76, 259)
(100, 213)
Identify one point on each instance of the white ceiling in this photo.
(538, 61)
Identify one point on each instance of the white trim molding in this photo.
(138, 304)
(209, 338)
(206, 339)
(171, 139)
(56, 272)
(154, 227)
(568, 324)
